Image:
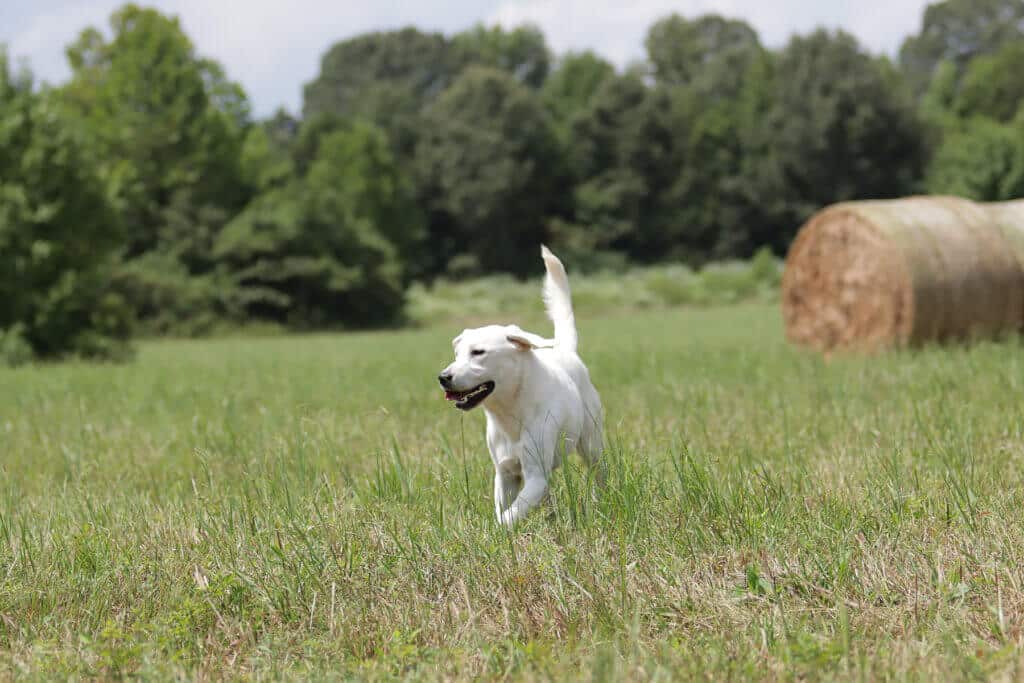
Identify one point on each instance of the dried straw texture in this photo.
(1009, 217)
(871, 275)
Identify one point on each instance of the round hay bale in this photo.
(1009, 218)
(870, 275)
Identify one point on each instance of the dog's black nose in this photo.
(445, 378)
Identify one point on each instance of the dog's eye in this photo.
(477, 352)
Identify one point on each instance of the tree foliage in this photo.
(167, 126)
(710, 54)
(328, 248)
(981, 159)
(419, 155)
(571, 87)
(521, 52)
(58, 233)
(727, 196)
(621, 158)
(392, 77)
(488, 168)
(164, 120)
(840, 128)
(958, 31)
(993, 85)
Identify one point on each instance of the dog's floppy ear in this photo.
(521, 342)
(525, 341)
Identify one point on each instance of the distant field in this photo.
(309, 507)
(632, 288)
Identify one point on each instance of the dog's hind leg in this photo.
(591, 447)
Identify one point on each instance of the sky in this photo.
(273, 47)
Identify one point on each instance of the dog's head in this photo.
(487, 360)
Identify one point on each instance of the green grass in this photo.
(601, 293)
(309, 507)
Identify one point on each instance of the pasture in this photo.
(310, 507)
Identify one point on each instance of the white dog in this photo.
(537, 395)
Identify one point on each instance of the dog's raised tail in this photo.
(558, 301)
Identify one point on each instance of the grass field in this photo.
(310, 507)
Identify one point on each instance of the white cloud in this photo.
(274, 47)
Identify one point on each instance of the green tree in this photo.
(718, 78)
(327, 248)
(842, 126)
(521, 52)
(622, 155)
(981, 159)
(392, 77)
(939, 101)
(421, 63)
(305, 145)
(58, 233)
(571, 87)
(721, 206)
(489, 174)
(993, 85)
(710, 53)
(264, 162)
(165, 120)
(663, 170)
(385, 77)
(168, 128)
(958, 31)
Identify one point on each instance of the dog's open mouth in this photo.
(467, 400)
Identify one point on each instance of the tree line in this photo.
(143, 195)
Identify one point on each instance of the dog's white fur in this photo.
(543, 404)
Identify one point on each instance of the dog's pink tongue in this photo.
(451, 396)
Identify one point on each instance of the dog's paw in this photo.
(509, 519)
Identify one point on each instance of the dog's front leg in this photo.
(506, 486)
(534, 490)
(532, 493)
